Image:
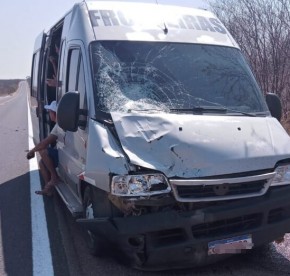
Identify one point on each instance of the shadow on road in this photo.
(272, 257)
(15, 230)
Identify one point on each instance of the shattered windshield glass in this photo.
(159, 77)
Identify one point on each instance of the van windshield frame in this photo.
(164, 76)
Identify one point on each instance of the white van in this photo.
(172, 155)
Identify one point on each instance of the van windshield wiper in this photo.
(145, 110)
(199, 110)
(241, 112)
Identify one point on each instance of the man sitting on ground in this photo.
(48, 153)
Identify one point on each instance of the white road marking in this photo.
(41, 254)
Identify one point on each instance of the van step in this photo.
(74, 206)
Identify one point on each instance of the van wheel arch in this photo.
(96, 204)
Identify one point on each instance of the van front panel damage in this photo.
(193, 146)
(104, 157)
(179, 239)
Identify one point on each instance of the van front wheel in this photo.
(92, 208)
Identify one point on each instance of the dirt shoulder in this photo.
(8, 87)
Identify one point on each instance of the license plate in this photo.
(232, 245)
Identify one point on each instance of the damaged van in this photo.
(172, 154)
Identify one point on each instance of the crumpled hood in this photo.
(201, 145)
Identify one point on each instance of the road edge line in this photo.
(41, 253)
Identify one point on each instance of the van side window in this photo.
(81, 86)
(76, 81)
(34, 75)
(61, 87)
(72, 70)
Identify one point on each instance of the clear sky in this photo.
(22, 20)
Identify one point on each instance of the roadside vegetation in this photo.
(262, 30)
(8, 87)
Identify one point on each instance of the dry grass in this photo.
(286, 124)
(8, 87)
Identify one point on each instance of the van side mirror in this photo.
(68, 111)
(274, 105)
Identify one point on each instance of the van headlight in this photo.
(282, 176)
(139, 185)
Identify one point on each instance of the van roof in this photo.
(112, 20)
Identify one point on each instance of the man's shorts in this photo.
(53, 154)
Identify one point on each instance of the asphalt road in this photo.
(69, 255)
(21, 228)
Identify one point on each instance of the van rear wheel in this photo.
(97, 205)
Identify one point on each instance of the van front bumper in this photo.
(178, 239)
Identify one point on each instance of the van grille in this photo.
(209, 191)
(199, 190)
(219, 228)
(279, 214)
(227, 226)
(165, 237)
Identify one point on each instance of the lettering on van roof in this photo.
(109, 18)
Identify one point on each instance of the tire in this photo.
(97, 205)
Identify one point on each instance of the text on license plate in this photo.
(231, 245)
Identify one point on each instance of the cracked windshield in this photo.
(161, 77)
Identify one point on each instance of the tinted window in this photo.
(34, 75)
(81, 85)
(72, 70)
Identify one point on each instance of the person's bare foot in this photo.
(47, 190)
(54, 182)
